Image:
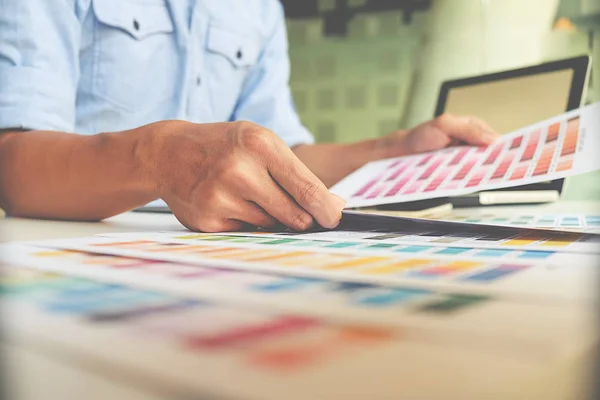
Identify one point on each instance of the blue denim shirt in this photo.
(90, 66)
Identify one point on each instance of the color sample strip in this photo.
(536, 254)
(413, 249)
(477, 177)
(465, 169)
(564, 165)
(571, 137)
(496, 273)
(367, 186)
(543, 164)
(248, 333)
(496, 150)
(462, 152)
(397, 187)
(413, 188)
(399, 171)
(504, 165)
(424, 160)
(376, 192)
(452, 304)
(431, 168)
(553, 132)
(532, 144)
(519, 172)
(357, 262)
(516, 143)
(493, 253)
(448, 269)
(437, 180)
(394, 267)
(453, 250)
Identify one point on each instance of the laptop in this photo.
(510, 100)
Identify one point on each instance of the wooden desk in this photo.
(34, 374)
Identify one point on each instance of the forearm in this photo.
(332, 162)
(66, 176)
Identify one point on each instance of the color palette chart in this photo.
(181, 331)
(181, 347)
(291, 315)
(548, 248)
(559, 147)
(585, 223)
(400, 240)
(162, 286)
(512, 273)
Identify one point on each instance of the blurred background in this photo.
(363, 68)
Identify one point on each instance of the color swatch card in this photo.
(585, 223)
(440, 315)
(541, 243)
(180, 347)
(512, 274)
(562, 146)
(377, 243)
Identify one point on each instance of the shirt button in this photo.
(136, 25)
(198, 81)
(239, 54)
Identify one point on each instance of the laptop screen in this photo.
(513, 103)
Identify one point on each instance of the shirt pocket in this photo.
(231, 54)
(135, 53)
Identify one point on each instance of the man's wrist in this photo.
(133, 151)
(384, 147)
(392, 145)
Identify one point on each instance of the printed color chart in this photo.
(478, 270)
(560, 222)
(390, 307)
(559, 147)
(548, 248)
(180, 347)
(544, 242)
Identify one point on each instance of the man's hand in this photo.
(332, 162)
(223, 176)
(444, 131)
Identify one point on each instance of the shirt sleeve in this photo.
(266, 97)
(39, 68)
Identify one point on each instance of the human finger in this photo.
(252, 214)
(305, 188)
(470, 130)
(278, 204)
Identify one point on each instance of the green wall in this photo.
(386, 75)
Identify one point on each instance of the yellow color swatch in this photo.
(315, 260)
(172, 249)
(518, 242)
(198, 236)
(464, 264)
(279, 256)
(236, 253)
(398, 266)
(557, 243)
(53, 253)
(356, 262)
